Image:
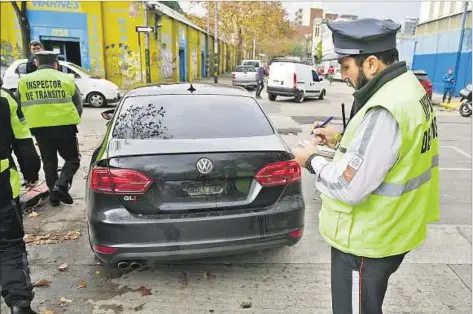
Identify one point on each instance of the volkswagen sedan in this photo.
(189, 172)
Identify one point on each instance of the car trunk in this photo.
(178, 186)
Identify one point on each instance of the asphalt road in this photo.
(436, 278)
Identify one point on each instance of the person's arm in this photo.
(22, 144)
(77, 100)
(371, 154)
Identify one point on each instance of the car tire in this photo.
(96, 100)
(322, 95)
(272, 97)
(300, 97)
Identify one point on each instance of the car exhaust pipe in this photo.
(123, 265)
(136, 265)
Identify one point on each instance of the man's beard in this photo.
(362, 80)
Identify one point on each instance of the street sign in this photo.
(144, 29)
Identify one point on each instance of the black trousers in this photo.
(359, 284)
(14, 271)
(259, 88)
(52, 143)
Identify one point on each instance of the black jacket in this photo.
(30, 65)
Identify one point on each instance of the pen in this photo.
(322, 125)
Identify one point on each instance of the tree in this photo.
(173, 5)
(24, 26)
(318, 52)
(245, 21)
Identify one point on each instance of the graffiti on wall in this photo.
(9, 52)
(166, 61)
(195, 66)
(124, 63)
(96, 58)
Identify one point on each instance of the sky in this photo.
(397, 10)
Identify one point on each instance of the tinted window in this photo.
(190, 117)
(252, 63)
(245, 69)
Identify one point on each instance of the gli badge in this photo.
(131, 198)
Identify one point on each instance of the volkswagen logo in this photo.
(204, 166)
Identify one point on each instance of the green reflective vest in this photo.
(20, 131)
(46, 98)
(393, 219)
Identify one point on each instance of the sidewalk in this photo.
(437, 101)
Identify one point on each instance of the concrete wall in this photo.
(109, 43)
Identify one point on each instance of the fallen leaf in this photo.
(47, 312)
(72, 235)
(144, 291)
(208, 275)
(33, 214)
(42, 283)
(97, 272)
(63, 267)
(64, 300)
(82, 284)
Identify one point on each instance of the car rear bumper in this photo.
(244, 83)
(195, 235)
(114, 99)
(282, 91)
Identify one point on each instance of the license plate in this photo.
(204, 190)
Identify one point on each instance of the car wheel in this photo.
(300, 97)
(96, 100)
(322, 95)
(272, 97)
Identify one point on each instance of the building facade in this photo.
(409, 26)
(436, 47)
(432, 10)
(101, 37)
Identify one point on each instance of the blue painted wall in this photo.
(437, 53)
(45, 24)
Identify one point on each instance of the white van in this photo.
(293, 79)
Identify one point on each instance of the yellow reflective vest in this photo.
(46, 98)
(393, 219)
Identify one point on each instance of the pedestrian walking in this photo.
(260, 81)
(52, 106)
(35, 47)
(382, 187)
(15, 136)
(330, 74)
(449, 81)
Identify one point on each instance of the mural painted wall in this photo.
(167, 60)
(10, 36)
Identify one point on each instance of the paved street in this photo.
(436, 278)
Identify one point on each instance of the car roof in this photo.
(183, 89)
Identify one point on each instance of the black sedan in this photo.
(188, 172)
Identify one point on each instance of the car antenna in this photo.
(191, 89)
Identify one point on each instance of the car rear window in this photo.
(190, 117)
(245, 69)
(252, 63)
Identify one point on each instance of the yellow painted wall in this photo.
(10, 35)
(193, 53)
(166, 51)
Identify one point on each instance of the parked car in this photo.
(294, 79)
(190, 171)
(425, 81)
(245, 76)
(95, 91)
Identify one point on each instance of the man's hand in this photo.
(303, 152)
(326, 135)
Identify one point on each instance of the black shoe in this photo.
(64, 196)
(22, 310)
(54, 198)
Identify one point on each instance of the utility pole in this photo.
(460, 46)
(209, 61)
(147, 62)
(216, 45)
(254, 48)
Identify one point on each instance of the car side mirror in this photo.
(108, 114)
(320, 79)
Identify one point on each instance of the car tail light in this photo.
(297, 233)
(104, 249)
(295, 80)
(119, 181)
(279, 173)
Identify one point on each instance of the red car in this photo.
(425, 81)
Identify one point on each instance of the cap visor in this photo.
(333, 56)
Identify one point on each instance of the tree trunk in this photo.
(240, 46)
(24, 25)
